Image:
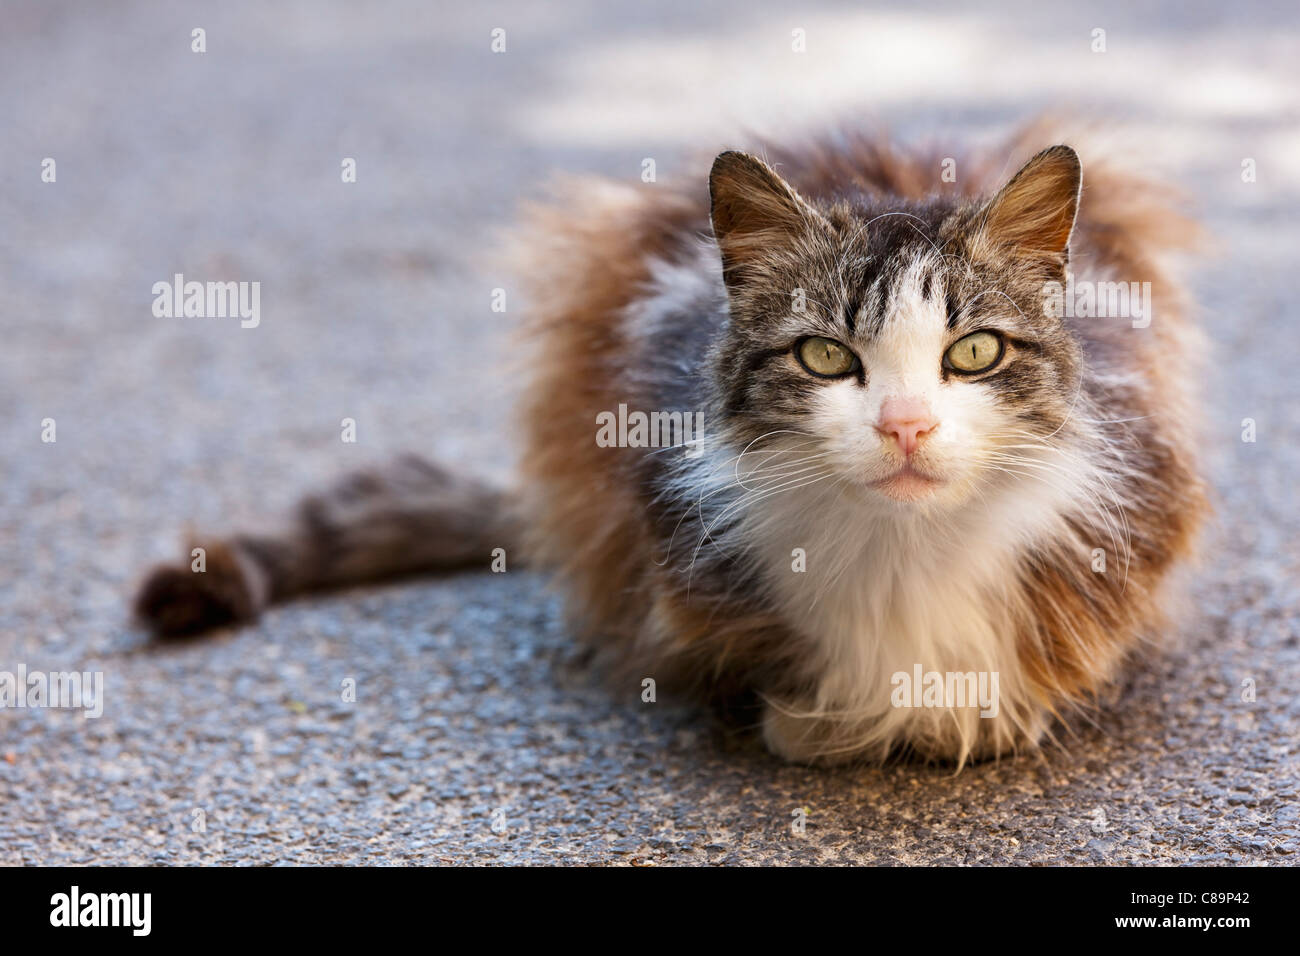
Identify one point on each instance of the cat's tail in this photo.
(407, 518)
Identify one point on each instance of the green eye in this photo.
(977, 352)
(826, 357)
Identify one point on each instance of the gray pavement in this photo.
(478, 735)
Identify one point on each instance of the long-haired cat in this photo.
(922, 466)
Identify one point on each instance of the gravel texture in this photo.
(477, 735)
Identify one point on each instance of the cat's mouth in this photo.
(907, 484)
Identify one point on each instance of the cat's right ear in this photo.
(1033, 215)
(754, 211)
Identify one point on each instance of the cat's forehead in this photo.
(908, 315)
(896, 230)
(905, 266)
(916, 288)
(879, 253)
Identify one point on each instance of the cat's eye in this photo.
(977, 352)
(826, 357)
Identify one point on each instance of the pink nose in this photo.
(908, 420)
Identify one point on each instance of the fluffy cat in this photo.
(911, 462)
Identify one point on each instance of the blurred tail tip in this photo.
(177, 601)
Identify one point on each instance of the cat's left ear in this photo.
(1033, 215)
(754, 212)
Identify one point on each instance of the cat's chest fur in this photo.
(874, 594)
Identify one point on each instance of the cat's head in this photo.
(905, 344)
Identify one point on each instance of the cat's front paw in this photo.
(799, 739)
(176, 600)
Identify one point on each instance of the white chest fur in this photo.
(887, 591)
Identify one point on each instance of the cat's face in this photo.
(904, 350)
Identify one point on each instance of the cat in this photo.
(913, 460)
